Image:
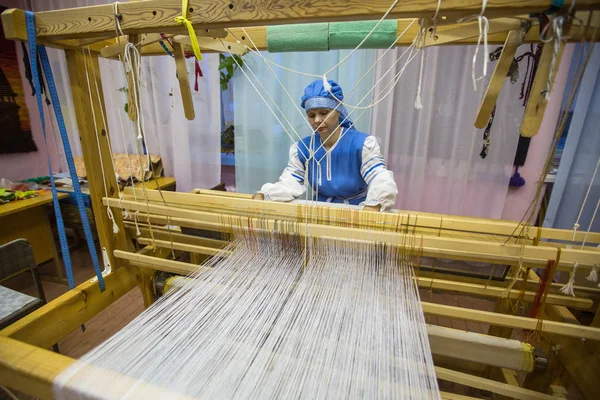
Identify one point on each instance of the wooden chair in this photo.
(16, 257)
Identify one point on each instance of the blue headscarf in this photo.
(317, 96)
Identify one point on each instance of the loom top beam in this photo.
(159, 15)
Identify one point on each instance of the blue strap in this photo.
(33, 51)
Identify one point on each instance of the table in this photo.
(164, 182)
(29, 219)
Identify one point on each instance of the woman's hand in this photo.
(258, 196)
(376, 208)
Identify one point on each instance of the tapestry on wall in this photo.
(15, 129)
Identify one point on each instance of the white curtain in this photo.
(261, 143)
(190, 150)
(434, 152)
(580, 158)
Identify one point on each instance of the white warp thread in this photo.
(275, 319)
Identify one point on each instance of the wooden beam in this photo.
(157, 263)
(49, 324)
(172, 235)
(500, 292)
(114, 49)
(184, 82)
(513, 41)
(536, 105)
(95, 146)
(165, 244)
(429, 246)
(511, 321)
(32, 370)
(159, 15)
(29, 369)
(396, 221)
(218, 45)
(117, 48)
(466, 33)
(489, 350)
(490, 385)
(448, 34)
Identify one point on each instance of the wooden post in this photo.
(98, 161)
(132, 78)
(513, 41)
(536, 105)
(184, 82)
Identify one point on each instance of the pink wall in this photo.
(27, 165)
(518, 199)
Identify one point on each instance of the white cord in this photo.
(434, 19)
(422, 38)
(364, 40)
(484, 27)
(557, 25)
(340, 103)
(568, 287)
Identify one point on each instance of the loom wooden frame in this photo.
(31, 369)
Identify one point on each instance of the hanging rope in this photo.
(484, 27)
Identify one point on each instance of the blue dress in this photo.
(348, 177)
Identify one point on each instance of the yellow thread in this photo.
(188, 24)
(523, 355)
(527, 357)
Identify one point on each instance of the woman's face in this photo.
(326, 118)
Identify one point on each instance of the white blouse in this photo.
(382, 189)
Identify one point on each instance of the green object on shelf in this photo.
(298, 37)
(348, 35)
(37, 180)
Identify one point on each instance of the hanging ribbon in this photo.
(182, 20)
(198, 73)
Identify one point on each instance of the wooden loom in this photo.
(27, 366)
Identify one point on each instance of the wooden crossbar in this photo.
(239, 203)
(464, 249)
(158, 16)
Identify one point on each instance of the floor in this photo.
(97, 329)
(124, 310)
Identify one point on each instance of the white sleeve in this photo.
(291, 181)
(382, 189)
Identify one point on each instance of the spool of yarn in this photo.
(298, 37)
(348, 35)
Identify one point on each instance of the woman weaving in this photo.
(347, 166)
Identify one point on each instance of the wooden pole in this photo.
(536, 105)
(95, 148)
(158, 16)
(513, 41)
(428, 245)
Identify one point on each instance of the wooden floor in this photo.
(124, 310)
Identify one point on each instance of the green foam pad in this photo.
(299, 37)
(348, 35)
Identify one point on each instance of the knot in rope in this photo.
(182, 20)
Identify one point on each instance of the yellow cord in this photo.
(184, 21)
